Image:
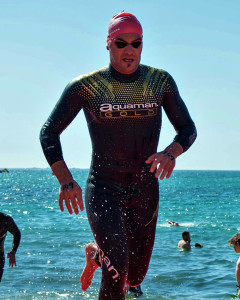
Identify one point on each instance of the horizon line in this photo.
(45, 168)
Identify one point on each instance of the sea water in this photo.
(50, 257)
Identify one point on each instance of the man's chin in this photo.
(129, 68)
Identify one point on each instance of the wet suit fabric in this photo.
(124, 114)
(7, 224)
(2, 263)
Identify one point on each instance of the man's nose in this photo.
(129, 49)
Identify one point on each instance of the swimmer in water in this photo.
(173, 223)
(235, 241)
(7, 224)
(185, 241)
(123, 105)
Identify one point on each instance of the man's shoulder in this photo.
(181, 243)
(5, 218)
(147, 68)
(86, 81)
(95, 75)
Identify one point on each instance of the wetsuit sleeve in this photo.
(68, 106)
(178, 115)
(13, 229)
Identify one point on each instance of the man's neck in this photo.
(124, 77)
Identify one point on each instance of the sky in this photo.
(45, 44)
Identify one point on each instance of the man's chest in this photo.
(125, 101)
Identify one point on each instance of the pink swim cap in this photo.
(123, 23)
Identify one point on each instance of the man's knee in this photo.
(110, 292)
(136, 274)
(112, 285)
(135, 279)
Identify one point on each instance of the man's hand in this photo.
(12, 259)
(163, 163)
(237, 289)
(71, 193)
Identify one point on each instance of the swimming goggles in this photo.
(123, 44)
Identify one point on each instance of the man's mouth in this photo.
(128, 59)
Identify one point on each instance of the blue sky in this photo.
(45, 44)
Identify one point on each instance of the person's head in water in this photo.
(173, 223)
(235, 241)
(186, 236)
(124, 42)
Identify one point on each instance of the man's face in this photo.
(127, 59)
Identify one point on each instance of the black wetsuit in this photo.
(123, 113)
(7, 224)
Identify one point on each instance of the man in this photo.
(7, 224)
(173, 223)
(185, 242)
(122, 105)
(235, 241)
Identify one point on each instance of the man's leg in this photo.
(140, 251)
(2, 262)
(141, 224)
(91, 266)
(107, 216)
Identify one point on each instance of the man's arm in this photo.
(238, 271)
(164, 161)
(69, 190)
(14, 230)
(63, 114)
(179, 116)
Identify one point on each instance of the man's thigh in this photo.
(141, 229)
(107, 218)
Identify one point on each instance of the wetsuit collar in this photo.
(124, 77)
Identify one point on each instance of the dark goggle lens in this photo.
(136, 44)
(121, 44)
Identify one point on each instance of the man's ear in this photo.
(107, 47)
